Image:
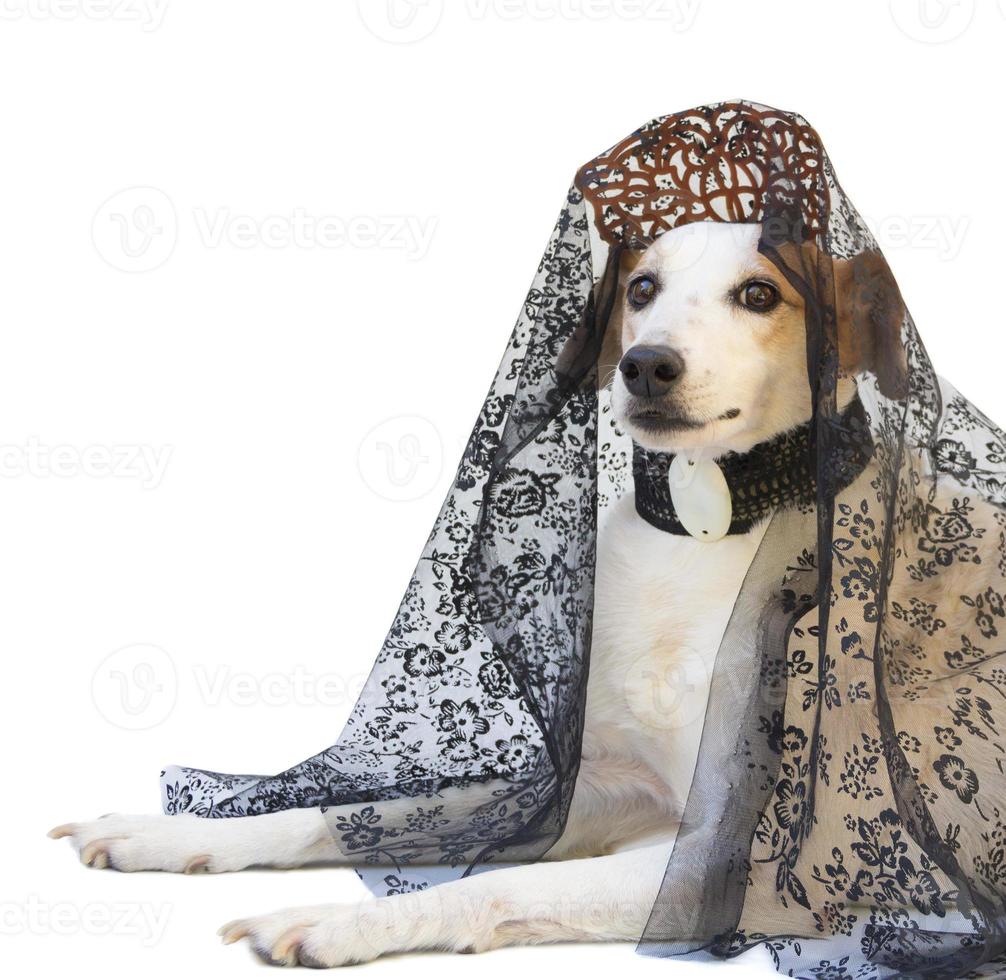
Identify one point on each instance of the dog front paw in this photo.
(319, 936)
(142, 843)
(443, 918)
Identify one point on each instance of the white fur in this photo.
(647, 690)
(662, 605)
(735, 359)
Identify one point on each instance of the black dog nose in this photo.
(649, 372)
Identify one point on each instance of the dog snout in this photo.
(650, 372)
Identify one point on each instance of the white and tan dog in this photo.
(714, 359)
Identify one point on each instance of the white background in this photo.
(256, 359)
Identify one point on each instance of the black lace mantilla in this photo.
(847, 810)
(777, 473)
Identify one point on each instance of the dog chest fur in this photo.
(662, 605)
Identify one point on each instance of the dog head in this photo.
(712, 346)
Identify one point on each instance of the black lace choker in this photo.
(775, 473)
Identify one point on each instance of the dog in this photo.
(707, 354)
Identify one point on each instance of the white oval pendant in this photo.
(701, 497)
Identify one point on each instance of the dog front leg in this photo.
(593, 899)
(186, 843)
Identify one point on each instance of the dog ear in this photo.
(611, 350)
(870, 313)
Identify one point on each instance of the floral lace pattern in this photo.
(473, 707)
(851, 816)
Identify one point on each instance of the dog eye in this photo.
(758, 296)
(641, 291)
